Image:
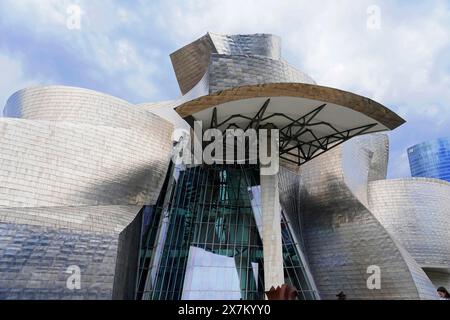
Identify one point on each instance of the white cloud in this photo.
(12, 79)
(330, 40)
(37, 15)
(112, 57)
(405, 64)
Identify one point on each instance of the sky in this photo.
(395, 52)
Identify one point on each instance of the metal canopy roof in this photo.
(311, 119)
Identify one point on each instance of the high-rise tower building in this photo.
(431, 159)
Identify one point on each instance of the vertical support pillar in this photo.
(272, 244)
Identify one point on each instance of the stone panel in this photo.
(272, 245)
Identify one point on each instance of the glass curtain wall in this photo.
(431, 159)
(207, 244)
(294, 268)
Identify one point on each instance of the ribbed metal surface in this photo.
(416, 211)
(76, 166)
(342, 235)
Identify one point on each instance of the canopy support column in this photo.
(272, 244)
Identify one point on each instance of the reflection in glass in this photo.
(212, 276)
(431, 159)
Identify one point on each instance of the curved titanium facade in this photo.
(351, 217)
(51, 159)
(218, 62)
(342, 234)
(431, 159)
(229, 71)
(266, 242)
(260, 44)
(86, 181)
(76, 168)
(191, 62)
(417, 212)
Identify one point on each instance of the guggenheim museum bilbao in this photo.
(93, 205)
